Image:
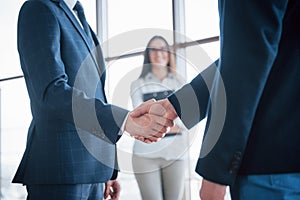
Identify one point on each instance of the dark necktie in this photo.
(80, 13)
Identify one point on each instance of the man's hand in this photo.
(112, 190)
(161, 108)
(149, 122)
(212, 191)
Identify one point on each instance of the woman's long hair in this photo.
(147, 65)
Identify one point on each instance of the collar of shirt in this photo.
(70, 3)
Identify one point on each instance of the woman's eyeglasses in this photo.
(163, 49)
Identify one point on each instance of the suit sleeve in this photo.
(249, 34)
(192, 101)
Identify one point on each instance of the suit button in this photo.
(237, 155)
(235, 163)
(233, 168)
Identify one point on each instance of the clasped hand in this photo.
(151, 120)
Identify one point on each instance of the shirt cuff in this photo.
(122, 129)
(180, 124)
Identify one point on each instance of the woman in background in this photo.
(159, 167)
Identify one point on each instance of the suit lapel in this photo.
(98, 59)
(98, 55)
(74, 21)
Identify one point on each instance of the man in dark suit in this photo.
(252, 140)
(70, 149)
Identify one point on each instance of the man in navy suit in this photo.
(70, 149)
(251, 100)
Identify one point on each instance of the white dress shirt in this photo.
(71, 4)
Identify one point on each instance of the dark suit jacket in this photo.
(253, 119)
(73, 131)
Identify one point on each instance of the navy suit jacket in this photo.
(251, 97)
(73, 132)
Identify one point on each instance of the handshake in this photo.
(151, 120)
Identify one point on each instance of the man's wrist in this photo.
(122, 128)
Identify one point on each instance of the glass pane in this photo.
(9, 59)
(15, 119)
(202, 19)
(121, 73)
(124, 16)
(201, 56)
(9, 15)
(14, 107)
(135, 14)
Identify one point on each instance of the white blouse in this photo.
(170, 147)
